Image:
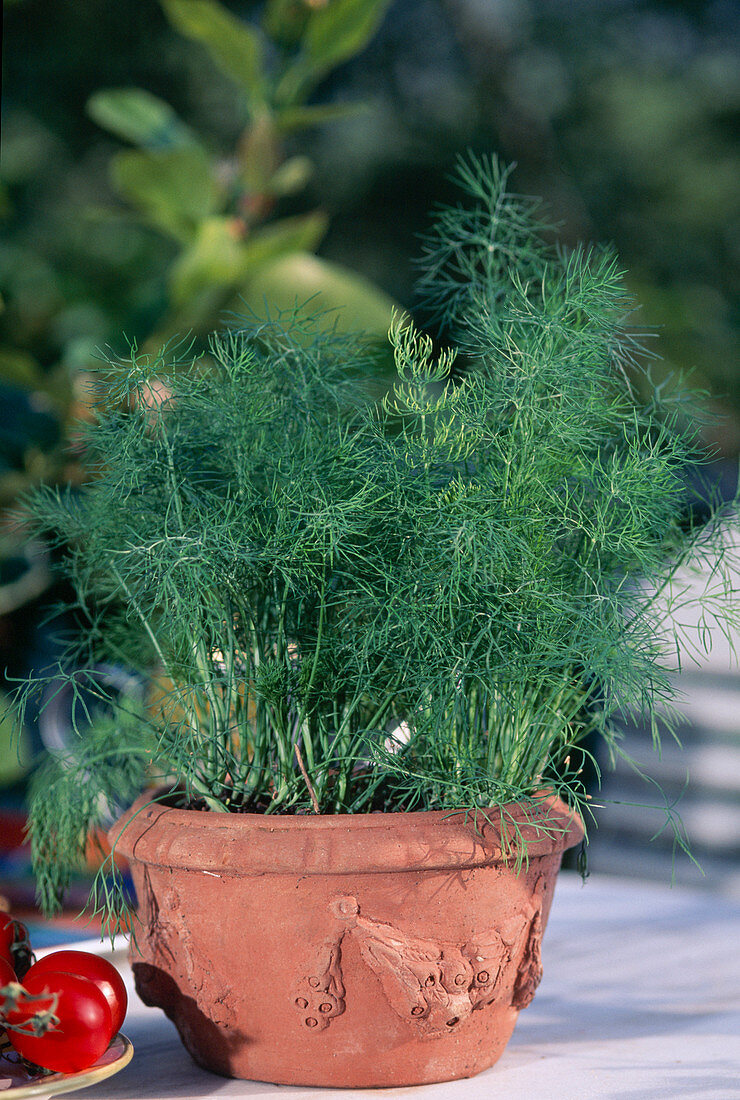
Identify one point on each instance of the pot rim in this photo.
(224, 844)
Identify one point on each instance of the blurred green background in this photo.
(165, 162)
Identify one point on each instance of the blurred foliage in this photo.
(221, 208)
(164, 236)
(15, 749)
(199, 214)
(622, 114)
(166, 161)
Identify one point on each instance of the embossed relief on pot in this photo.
(424, 982)
(489, 955)
(167, 958)
(155, 938)
(432, 985)
(529, 971)
(319, 996)
(529, 974)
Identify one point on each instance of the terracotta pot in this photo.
(356, 951)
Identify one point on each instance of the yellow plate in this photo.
(17, 1082)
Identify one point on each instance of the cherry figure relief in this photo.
(320, 996)
(433, 985)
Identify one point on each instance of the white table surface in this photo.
(640, 1000)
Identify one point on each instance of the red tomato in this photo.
(7, 936)
(85, 1024)
(7, 974)
(15, 946)
(97, 970)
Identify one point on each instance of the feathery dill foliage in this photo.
(296, 574)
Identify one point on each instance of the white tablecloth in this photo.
(640, 1000)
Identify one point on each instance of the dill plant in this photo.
(338, 606)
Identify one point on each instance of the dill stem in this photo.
(300, 724)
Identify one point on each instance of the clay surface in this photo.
(354, 951)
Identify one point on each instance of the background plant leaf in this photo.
(15, 745)
(285, 21)
(359, 304)
(218, 256)
(139, 117)
(20, 369)
(302, 117)
(173, 188)
(233, 45)
(340, 29)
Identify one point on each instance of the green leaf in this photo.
(15, 746)
(20, 369)
(340, 29)
(174, 188)
(284, 236)
(234, 46)
(214, 257)
(291, 177)
(139, 117)
(285, 21)
(303, 117)
(258, 153)
(360, 305)
(218, 257)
